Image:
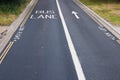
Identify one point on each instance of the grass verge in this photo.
(8, 13)
(108, 9)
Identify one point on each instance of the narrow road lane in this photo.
(41, 51)
(99, 53)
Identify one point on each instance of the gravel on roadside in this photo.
(3, 30)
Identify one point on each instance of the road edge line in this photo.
(73, 52)
(5, 52)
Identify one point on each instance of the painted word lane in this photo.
(43, 14)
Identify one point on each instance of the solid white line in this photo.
(75, 58)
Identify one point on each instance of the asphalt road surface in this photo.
(59, 41)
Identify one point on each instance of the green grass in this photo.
(9, 12)
(108, 9)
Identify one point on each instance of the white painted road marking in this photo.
(75, 14)
(18, 34)
(43, 14)
(75, 58)
(107, 33)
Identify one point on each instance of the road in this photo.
(59, 41)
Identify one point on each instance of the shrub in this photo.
(11, 6)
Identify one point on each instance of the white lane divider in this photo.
(75, 58)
